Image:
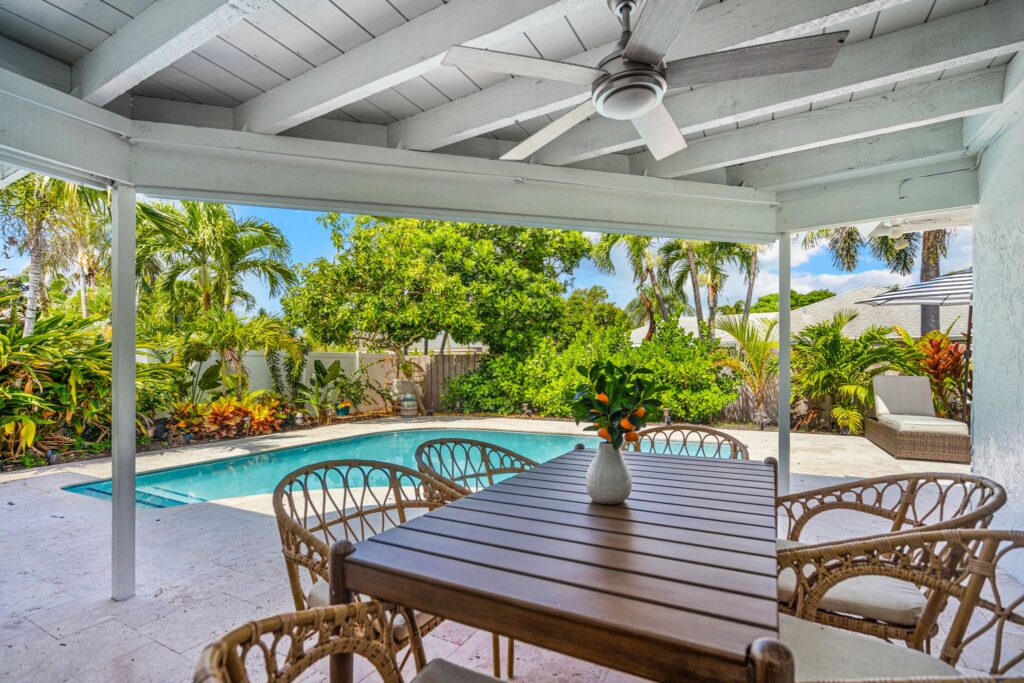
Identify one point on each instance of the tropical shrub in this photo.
(224, 417)
(266, 415)
(755, 358)
(834, 372)
(187, 418)
(944, 363)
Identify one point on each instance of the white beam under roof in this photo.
(981, 130)
(868, 156)
(404, 52)
(734, 23)
(10, 174)
(35, 65)
(947, 186)
(59, 134)
(947, 43)
(160, 35)
(910, 107)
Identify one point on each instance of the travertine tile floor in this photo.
(205, 568)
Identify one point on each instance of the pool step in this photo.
(142, 498)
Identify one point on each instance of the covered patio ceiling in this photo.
(344, 105)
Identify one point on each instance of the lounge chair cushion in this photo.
(923, 424)
(903, 395)
(441, 671)
(872, 597)
(825, 653)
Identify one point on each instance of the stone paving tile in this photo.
(205, 568)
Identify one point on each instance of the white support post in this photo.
(123, 403)
(785, 242)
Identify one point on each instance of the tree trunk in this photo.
(750, 285)
(656, 288)
(698, 309)
(931, 242)
(650, 316)
(712, 310)
(36, 283)
(83, 286)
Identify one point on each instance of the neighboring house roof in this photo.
(907, 317)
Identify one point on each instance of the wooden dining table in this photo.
(675, 584)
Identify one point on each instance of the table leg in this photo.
(341, 665)
(771, 662)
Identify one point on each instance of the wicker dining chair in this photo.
(281, 648)
(687, 439)
(878, 605)
(468, 465)
(959, 569)
(322, 503)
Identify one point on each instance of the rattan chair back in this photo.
(958, 568)
(283, 647)
(923, 501)
(467, 465)
(687, 439)
(352, 500)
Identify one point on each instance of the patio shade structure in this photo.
(955, 289)
(346, 105)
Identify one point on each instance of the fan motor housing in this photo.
(630, 90)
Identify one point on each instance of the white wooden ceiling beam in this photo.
(35, 65)
(156, 38)
(10, 174)
(734, 23)
(981, 130)
(55, 133)
(868, 156)
(953, 41)
(910, 107)
(947, 186)
(404, 52)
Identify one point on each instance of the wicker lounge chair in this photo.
(352, 500)
(958, 569)
(283, 647)
(686, 439)
(468, 465)
(882, 606)
(905, 425)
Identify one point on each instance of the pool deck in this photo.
(205, 568)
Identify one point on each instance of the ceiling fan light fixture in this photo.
(628, 96)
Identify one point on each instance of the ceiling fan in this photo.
(630, 83)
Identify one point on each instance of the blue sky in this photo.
(812, 269)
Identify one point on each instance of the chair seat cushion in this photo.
(441, 671)
(924, 423)
(824, 653)
(319, 595)
(873, 597)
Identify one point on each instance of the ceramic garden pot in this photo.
(608, 478)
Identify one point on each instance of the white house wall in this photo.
(998, 420)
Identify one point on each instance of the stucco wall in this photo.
(998, 418)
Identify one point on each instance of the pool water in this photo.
(248, 475)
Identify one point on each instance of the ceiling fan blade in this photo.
(784, 56)
(527, 147)
(518, 65)
(657, 28)
(660, 133)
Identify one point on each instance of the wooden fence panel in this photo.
(440, 368)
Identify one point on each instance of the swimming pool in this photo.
(248, 475)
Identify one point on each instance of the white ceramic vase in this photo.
(608, 478)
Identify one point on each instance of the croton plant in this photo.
(617, 400)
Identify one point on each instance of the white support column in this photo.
(123, 418)
(785, 242)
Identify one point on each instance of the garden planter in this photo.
(608, 478)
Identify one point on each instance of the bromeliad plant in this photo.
(616, 400)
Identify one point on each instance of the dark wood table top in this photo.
(674, 584)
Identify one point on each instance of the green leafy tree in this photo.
(587, 308)
(769, 303)
(834, 372)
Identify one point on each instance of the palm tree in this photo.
(642, 260)
(845, 244)
(747, 257)
(81, 240)
(641, 308)
(679, 265)
(756, 360)
(28, 209)
(210, 245)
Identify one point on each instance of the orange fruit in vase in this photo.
(602, 397)
(640, 412)
(632, 437)
(604, 434)
(627, 425)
